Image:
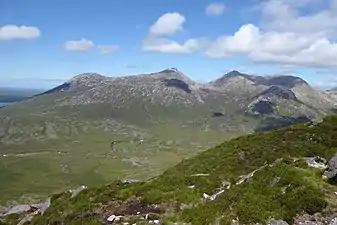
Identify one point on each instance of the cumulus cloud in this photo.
(285, 36)
(167, 24)
(164, 45)
(215, 9)
(11, 32)
(85, 45)
(286, 16)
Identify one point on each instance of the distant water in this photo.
(5, 103)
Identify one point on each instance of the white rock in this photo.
(44, 206)
(75, 192)
(311, 161)
(111, 218)
(18, 209)
(200, 175)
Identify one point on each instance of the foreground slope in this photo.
(251, 179)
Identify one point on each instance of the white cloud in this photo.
(286, 36)
(85, 45)
(167, 24)
(164, 45)
(215, 9)
(82, 45)
(105, 49)
(275, 47)
(11, 32)
(286, 15)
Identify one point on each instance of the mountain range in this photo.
(93, 129)
(170, 96)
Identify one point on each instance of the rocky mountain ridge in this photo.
(171, 86)
(170, 96)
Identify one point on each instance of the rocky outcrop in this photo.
(276, 222)
(331, 171)
(76, 191)
(20, 209)
(29, 210)
(279, 92)
(263, 107)
(316, 162)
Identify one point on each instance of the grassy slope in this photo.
(255, 201)
(86, 157)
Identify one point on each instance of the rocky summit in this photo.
(129, 131)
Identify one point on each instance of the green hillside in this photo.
(279, 185)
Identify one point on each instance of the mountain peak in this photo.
(288, 81)
(173, 73)
(228, 78)
(86, 77)
(285, 80)
(171, 70)
(234, 73)
(89, 80)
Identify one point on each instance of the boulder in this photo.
(331, 170)
(276, 222)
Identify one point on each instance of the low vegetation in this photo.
(283, 186)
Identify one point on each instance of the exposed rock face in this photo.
(178, 84)
(18, 209)
(285, 81)
(263, 107)
(331, 171)
(280, 92)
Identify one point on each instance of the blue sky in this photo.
(43, 43)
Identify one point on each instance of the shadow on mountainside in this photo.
(272, 123)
